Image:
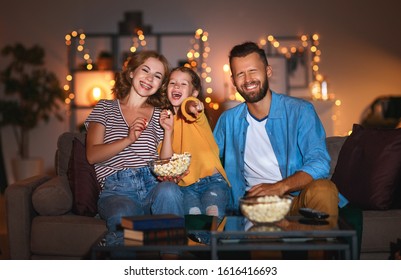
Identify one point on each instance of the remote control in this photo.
(313, 222)
(311, 213)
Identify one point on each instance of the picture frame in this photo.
(278, 82)
(298, 58)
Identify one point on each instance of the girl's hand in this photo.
(135, 129)
(194, 107)
(167, 120)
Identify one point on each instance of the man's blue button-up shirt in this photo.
(296, 134)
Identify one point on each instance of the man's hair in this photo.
(245, 49)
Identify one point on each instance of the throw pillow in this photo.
(82, 177)
(53, 197)
(368, 171)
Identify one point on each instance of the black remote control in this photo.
(311, 213)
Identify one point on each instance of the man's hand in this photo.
(295, 182)
(267, 189)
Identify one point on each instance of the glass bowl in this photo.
(265, 209)
(173, 167)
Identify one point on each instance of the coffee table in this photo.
(294, 233)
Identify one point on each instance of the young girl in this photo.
(122, 136)
(205, 187)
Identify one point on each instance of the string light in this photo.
(197, 57)
(197, 60)
(198, 54)
(298, 49)
(319, 85)
(81, 36)
(138, 41)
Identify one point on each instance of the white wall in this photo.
(360, 42)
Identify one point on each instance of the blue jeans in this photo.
(209, 195)
(135, 192)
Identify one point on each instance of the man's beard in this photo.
(255, 97)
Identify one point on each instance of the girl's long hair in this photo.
(195, 81)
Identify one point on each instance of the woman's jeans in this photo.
(135, 192)
(209, 195)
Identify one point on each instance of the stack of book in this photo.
(164, 229)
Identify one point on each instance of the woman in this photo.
(122, 137)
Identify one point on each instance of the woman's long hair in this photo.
(123, 82)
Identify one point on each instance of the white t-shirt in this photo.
(261, 165)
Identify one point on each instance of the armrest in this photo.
(20, 212)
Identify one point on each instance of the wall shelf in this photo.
(174, 45)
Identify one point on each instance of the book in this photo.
(155, 235)
(131, 242)
(201, 222)
(176, 241)
(150, 222)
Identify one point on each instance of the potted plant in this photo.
(105, 61)
(32, 93)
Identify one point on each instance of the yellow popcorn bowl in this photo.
(173, 167)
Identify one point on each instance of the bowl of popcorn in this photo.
(173, 167)
(265, 209)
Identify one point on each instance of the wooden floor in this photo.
(4, 251)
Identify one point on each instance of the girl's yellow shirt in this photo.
(195, 136)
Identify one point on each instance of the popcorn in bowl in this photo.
(175, 166)
(265, 209)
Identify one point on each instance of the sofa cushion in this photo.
(82, 177)
(368, 172)
(66, 235)
(53, 197)
(64, 147)
(379, 229)
(334, 144)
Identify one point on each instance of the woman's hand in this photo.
(135, 129)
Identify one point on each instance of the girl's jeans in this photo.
(209, 195)
(135, 192)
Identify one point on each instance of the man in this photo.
(273, 144)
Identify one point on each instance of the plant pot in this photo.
(25, 168)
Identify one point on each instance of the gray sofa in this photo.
(379, 227)
(40, 222)
(68, 236)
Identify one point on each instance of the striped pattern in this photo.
(108, 113)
